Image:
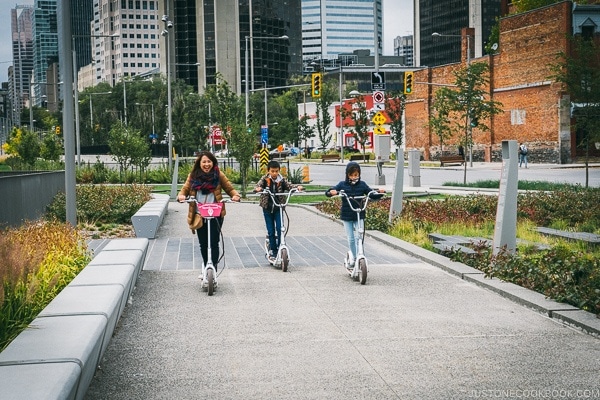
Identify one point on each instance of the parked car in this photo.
(275, 153)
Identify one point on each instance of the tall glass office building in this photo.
(22, 51)
(448, 18)
(333, 27)
(209, 38)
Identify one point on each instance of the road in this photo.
(331, 173)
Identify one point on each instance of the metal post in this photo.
(470, 129)
(124, 101)
(76, 101)
(266, 122)
(31, 106)
(153, 132)
(341, 119)
(70, 183)
(246, 80)
(91, 116)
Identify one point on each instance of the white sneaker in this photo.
(350, 260)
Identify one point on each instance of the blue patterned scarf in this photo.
(206, 182)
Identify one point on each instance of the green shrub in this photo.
(103, 203)
(376, 217)
(568, 276)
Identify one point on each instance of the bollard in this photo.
(305, 174)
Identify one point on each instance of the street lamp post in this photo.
(468, 127)
(92, 112)
(284, 37)
(165, 33)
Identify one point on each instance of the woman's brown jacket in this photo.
(194, 219)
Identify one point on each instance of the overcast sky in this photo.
(397, 21)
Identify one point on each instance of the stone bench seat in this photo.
(149, 217)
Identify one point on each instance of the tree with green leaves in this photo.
(283, 110)
(361, 120)
(228, 113)
(128, 148)
(580, 74)
(395, 103)
(324, 118)
(51, 148)
(305, 131)
(440, 123)
(463, 106)
(29, 147)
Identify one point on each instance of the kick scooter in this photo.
(282, 259)
(358, 204)
(208, 211)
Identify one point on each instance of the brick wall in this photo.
(520, 78)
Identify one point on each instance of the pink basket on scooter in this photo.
(210, 210)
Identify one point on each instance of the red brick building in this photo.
(537, 110)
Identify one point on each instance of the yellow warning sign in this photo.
(379, 118)
(379, 130)
(264, 157)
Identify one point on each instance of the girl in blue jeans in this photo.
(352, 186)
(276, 184)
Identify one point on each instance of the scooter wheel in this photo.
(362, 271)
(285, 260)
(210, 277)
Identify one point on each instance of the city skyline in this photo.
(397, 21)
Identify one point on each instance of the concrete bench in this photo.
(586, 237)
(330, 157)
(446, 247)
(451, 160)
(57, 355)
(359, 157)
(149, 217)
(75, 339)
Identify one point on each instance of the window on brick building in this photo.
(517, 117)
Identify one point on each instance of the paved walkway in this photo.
(414, 331)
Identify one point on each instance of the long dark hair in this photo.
(196, 171)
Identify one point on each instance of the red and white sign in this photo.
(378, 97)
(217, 136)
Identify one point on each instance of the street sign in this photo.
(379, 106)
(378, 80)
(379, 118)
(379, 130)
(378, 96)
(217, 136)
(264, 134)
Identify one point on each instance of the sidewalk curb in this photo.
(564, 313)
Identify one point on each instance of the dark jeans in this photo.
(273, 221)
(215, 236)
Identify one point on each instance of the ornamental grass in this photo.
(38, 260)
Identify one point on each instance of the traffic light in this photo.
(408, 82)
(317, 81)
(57, 129)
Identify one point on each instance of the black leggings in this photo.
(215, 236)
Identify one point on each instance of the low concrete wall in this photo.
(57, 355)
(25, 196)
